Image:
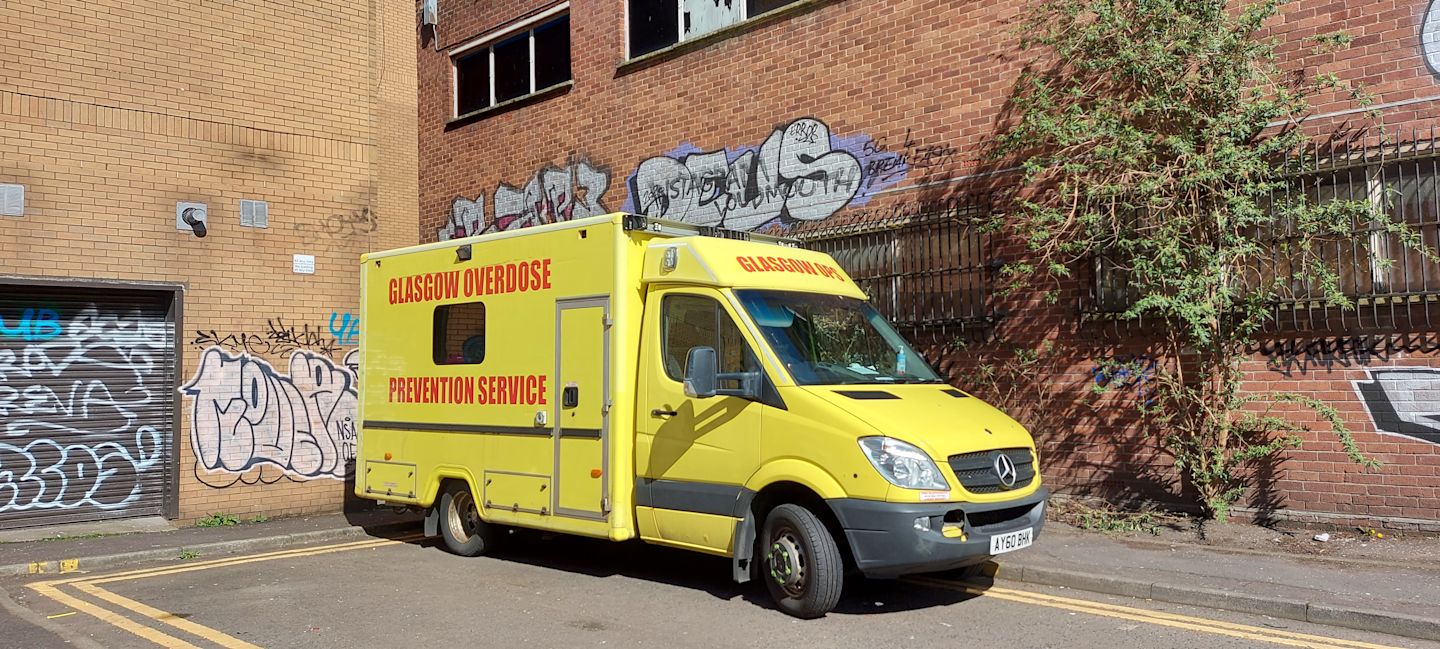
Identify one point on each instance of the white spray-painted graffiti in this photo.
(800, 173)
(253, 424)
(1403, 401)
(554, 194)
(1430, 37)
(89, 445)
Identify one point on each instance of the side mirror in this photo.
(700, 374)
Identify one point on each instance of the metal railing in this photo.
(1391, 284)
(928, 270)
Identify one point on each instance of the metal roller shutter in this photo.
(87, 385)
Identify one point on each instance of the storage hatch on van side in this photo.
(390, 479)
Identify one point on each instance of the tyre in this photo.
(802, 564)
(460, 525)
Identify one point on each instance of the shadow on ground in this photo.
(700, 572)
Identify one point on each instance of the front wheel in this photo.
(460, 525)
(802, 564)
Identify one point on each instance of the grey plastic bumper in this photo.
(886, 543)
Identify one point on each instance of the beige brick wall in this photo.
(111, 111)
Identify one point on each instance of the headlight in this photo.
(903, 464)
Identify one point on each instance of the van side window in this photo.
(694, 321)
(459, 334)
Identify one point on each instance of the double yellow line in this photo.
(1159, 618)
(90, 586)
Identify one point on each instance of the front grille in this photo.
(997, 517)
(976, 471)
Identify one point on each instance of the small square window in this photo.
(459, 334)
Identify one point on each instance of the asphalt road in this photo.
(580, 593)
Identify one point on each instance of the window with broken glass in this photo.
(657, 24)
(519, 63)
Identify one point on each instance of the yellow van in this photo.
(729, 393)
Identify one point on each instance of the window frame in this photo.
(680, 26)
(488, 41)
(438, 338)
(749, 355)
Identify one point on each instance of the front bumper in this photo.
(886, 543)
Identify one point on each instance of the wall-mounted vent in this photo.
(187, 214)
(428, 12)
(254, 214)
(12, 200)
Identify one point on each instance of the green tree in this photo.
(1159, 135)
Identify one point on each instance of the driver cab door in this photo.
(692, 454)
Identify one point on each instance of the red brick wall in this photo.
(927, 79)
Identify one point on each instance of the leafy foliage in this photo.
(1158, 135)
(218, 520)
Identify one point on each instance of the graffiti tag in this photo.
(1403, 401)
(1126, 373)
(345, 328)
(343, 225)
(88, 443)
(278, 339)
(32, 325)
(800, 173)
(251, 423)
(1430, 37)
(554, 194)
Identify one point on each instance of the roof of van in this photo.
(662, 227)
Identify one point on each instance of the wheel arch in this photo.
(437, 484)
(769, 497)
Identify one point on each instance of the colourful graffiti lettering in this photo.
(33, 325)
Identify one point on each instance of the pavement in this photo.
(1400, 599)
(1362, 595)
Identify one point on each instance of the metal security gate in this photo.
(87, 398)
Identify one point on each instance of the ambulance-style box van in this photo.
(728, 393)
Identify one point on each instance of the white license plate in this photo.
(1002, 543)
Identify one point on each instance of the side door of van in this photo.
(693, 455)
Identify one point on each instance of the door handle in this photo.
(663, 413)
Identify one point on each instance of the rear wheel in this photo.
(803, 568)
(460, 525)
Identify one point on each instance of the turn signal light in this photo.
(387, 455)
(594, 473)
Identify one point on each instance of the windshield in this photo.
(829, 339)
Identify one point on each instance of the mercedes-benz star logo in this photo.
(1005, 470)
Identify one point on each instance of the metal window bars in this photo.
(1393, 286)
(932, 269)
